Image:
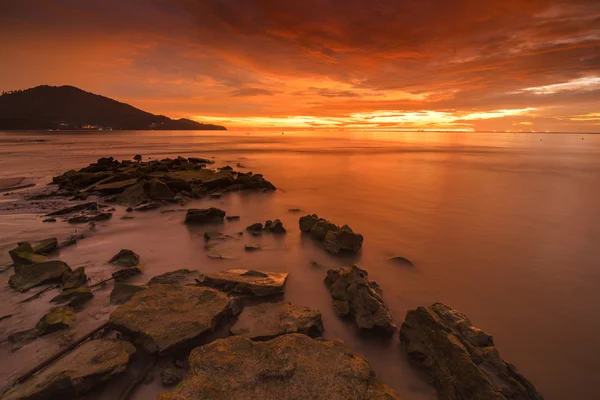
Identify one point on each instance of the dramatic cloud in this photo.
(354, 64)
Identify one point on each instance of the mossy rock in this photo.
(28, 276)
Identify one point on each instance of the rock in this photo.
(75, 297)
(244, 281)
(275, 227)
(101, 217)
(295, 210)
(32, 275)
(115, 187)
(307, 222)
(125, 258)
(56, 319)
(123, 292)
(269, 320)
(216, 195)
(320, 229)
(343, 240)
(288, 367)
(219, 180)
(252, 247)
(232, 217)
(401, 261)
(91, 206)
(45, 246)
(105, 161)
(134, 195)
(204, 216)
(81, 219)
(74, 279)
(461, 359)
(255, 228)
(225, 168)
(171, 376)
(23, 255)
(167, 317)
(126, 273)
(190, 277)
(158, 190)
(354, 295)
(138, 157)
(49, 220)
(77, 372)
(216, 237)
(153, 205)
(197, 160)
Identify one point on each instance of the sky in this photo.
(507, 65)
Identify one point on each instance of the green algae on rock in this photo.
(28, 276)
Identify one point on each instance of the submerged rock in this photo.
(401, 261)
(269, 320)
(32, 275)
(255, 228)
(125, 258)
(252, 247)
(244, 281)
(343, 240)
(275, 227)
(354, 295)
(204, 216)
(166, 317)
(123, 292)
(179, 277)
(461, 359)
(289, 367)
(74, 279)
(76, 373)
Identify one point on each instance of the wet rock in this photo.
(76, 373)
(74, 279)
(126, 273)
(134, 195)
(81, 196)
(269, 320)
(288, 367)
(171, 376)
(125, 258)
(232, 217)
(401, 261)
(81, 219)
(167, 317)
(123, 292)
(219, 180)
(461, 359)
(216, 237)
(91, 206)
(153, 205)
(28, 276)
(343, 240)
(275, 227)
(158, 190)
(56, 319)
(106, 161)
(321, 228)
(197, 160)
(256, 228)
(225, 168)
(75, 297)
(179, 277)
(252, 247)
(114, 187)
(216, 195)
(354, 295)
(295, 210)
(49, 220)
(204, 216)
(137, 157)
(253, 182)
(23, 254)
(45, 246)
(307, 222)
(244, 281)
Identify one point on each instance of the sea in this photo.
(503, 227)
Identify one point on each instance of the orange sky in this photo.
(345, 64)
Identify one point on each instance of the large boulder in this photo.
(461, 359)
(268, 320)
(164, 318)
(204, 216)
(343, 240)
(288, 367)
(76, 373)
(244, 281)
(179, 277)
(354, 295)
(32, 275)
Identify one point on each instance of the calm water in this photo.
(502, 227)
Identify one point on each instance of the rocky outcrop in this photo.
(164, 318)
(268, 320)
(76, 373)
(204, 216)
(289, 367)
(244, 281)
(125, 258)
(355, 296)
(461, 359)
(336, 239)
(32, 275)
(123, 292)
(190, 277)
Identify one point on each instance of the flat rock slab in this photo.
(354, 295)
(289, 367)
(32, 275)
(179, 277)
(461, 359)
(76, 373)
(245, 281)
(166, 317)
(269, 320)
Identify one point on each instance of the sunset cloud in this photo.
(319, 63)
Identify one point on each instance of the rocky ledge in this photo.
(167, 317)
(460, 358)
(291, 366)
(354, 295)
(76, 373)
(245, 281)
(337, 239)
(269, 320)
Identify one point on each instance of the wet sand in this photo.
(502, 227)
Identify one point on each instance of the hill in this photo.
(67, 107)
